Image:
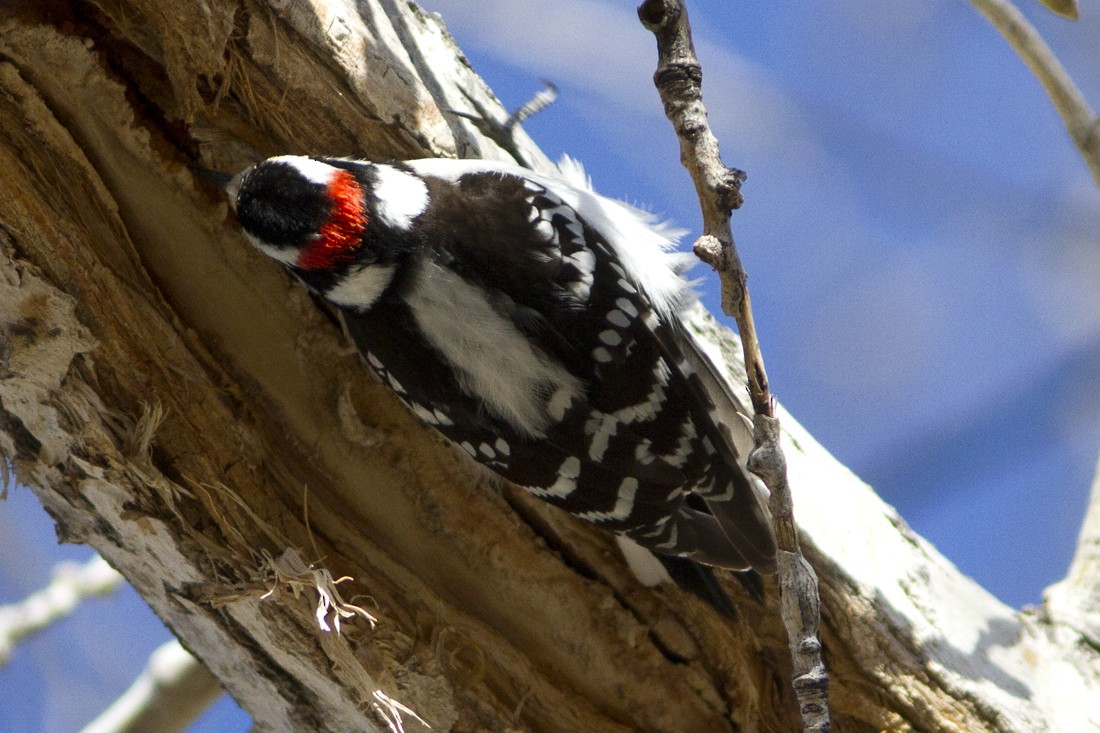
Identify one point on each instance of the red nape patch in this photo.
(342, 234)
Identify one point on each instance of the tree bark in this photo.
(181, 405)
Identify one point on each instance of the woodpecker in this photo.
(536, 325)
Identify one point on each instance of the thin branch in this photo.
(504, 133)
(71, 583)
(1066, 8)
(1074, 600)
(168, 695)
(1080, 120)
(537, 103)
(679, 81)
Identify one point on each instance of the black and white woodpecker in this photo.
(533, 323)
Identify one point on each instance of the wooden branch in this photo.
(70, 584)
(123, 287)
(169, 694)
(1080, 120)
(1065, 8)
(679, 79)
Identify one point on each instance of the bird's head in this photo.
(303, 212)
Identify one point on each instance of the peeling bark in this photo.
(124, 292)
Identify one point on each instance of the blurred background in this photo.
(923, 246)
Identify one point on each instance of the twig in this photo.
(679, 81)
(1066, 8)
(1080, 120)
(71, 583)
(172, 690)
(504, 133)
(537, 103)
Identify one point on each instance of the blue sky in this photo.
(923, 247)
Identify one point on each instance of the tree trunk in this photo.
(177, 402)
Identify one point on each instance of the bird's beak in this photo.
(219, 179)
(227, 182)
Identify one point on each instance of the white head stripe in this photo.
(360, 287)
(400, 196)
(286, 255)
(312, 170)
